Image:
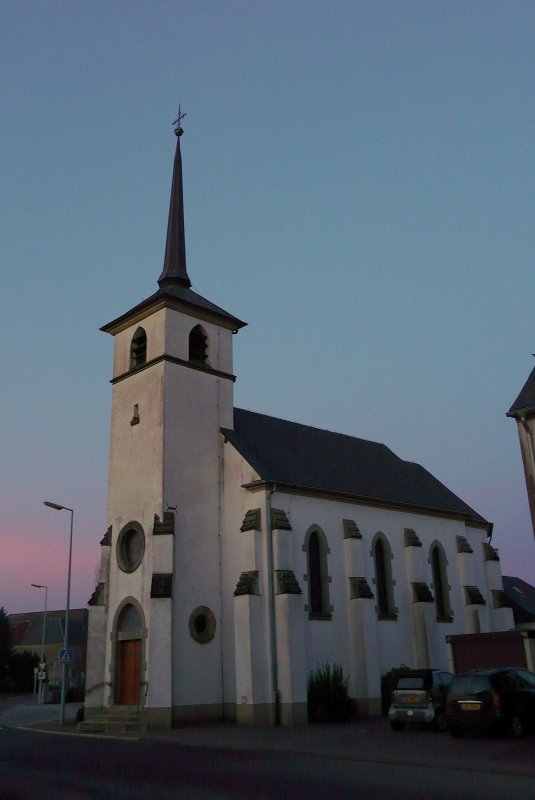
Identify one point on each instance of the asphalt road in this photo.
(41, 766)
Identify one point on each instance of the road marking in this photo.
(84, 735)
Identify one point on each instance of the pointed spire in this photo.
(174, 271)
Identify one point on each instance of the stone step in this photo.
(117, 719)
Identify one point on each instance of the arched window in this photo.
(138, 349)
(129, 619)
(318, 579)
(440, 583)
(198, 345)
(383, 579)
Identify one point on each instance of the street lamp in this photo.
(41, 695)
(57, 507)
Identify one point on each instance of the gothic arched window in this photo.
(198, 345)
(318, 579)
(138, 349)
(382, 557)
(440, 583)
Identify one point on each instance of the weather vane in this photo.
(179, 117)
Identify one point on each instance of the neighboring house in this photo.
(244, 550)
(521, 596)
(27, 634)
(503, 648)
(523, 411)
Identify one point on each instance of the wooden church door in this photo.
(130, 672)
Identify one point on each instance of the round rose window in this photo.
(130, 547)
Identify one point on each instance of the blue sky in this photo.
(359, 187)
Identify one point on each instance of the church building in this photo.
(244, 550)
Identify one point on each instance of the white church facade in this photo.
(243, 550)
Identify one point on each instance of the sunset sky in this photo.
(359, 187)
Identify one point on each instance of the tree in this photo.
(5, 649)
(22, 666)
(5, 639)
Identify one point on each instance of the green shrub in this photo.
(328, 698)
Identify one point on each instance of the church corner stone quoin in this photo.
(244, 550)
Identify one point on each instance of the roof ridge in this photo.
(317, 428)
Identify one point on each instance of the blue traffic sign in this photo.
(65, 656)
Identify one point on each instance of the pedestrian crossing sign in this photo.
(65, 656)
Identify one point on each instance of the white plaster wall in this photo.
(243, 551)
(197, 405)
(154, 327)
(177, 330)
(170, 458)
(135, 481)
(159, 663)
(328, 640)
(162, 547)
(95, 669)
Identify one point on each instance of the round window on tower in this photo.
(202, 624)
(130, 547)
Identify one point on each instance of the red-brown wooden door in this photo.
(130, 672)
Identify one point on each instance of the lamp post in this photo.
(58, 507)
(40, 696)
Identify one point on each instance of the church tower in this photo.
(523, 410)
(160, 590)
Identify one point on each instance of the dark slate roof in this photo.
(174, 280)
(522, 598)
(526, 398)
(183, 296)
(313, 459)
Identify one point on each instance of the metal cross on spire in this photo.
(176, 122)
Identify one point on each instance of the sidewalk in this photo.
(367, 739)
(24, 711)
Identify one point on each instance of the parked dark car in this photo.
(419, 695)
(492, 699)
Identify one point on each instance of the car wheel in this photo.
(515, 727)
(396, 725)
(457, 731)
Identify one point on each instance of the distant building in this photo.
(243, 550)
(521, 596)
(27, 634)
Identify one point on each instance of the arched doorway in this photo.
(129, 656)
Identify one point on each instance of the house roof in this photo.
(295, 455)
(522, 598)
(526, 399)
(27, 628)
(178, 296)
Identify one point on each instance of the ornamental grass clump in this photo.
(328, 698)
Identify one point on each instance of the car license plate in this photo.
(470, 706)
(410, 698)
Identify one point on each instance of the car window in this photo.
(527, 678)
(506, 680)
(445, 678)
(416, 682)
(470, 684)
